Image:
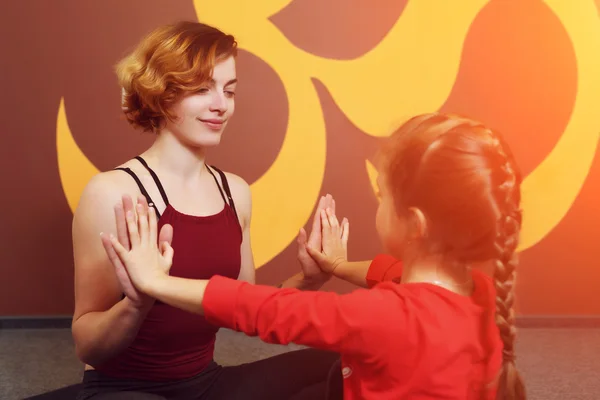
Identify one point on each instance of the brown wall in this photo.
(520, 71)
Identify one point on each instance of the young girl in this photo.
(450, 194)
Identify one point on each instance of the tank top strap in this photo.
(225, 188)
(142, 189)
(218, 184)
(159, 185)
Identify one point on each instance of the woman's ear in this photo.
(417, 224)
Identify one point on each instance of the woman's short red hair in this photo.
(169, 62)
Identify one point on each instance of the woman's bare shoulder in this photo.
(242, 196)
(107, 185)
(236, 182)
(105, 189)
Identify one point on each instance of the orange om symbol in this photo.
(441, 28)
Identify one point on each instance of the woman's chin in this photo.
(204, 140)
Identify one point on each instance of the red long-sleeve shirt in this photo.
(396, 341)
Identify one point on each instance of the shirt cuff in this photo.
(220, 299)
(378, 269)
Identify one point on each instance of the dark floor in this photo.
(558, 364)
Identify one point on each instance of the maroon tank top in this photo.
(173, 344)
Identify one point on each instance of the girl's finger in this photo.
(345, 231)
(332, 218)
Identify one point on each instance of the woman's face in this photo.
(201, 117)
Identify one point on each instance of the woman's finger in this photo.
(324, 221)
(142, 211)
(166, 234)
(110, 250)
(121, 221)
(153, 222)
(132, 228)
(119, 249)
(114, 257)
(167, 252)
(316, 255)
(315, 233)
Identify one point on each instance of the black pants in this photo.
(296, 375)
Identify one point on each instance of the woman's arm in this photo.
(242, 197)
(103, 324)
(301, 282)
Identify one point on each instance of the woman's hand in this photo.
(334, 242)
(138, 299)
(144, 264)
(310, 268)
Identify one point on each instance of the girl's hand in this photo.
(310, 268)
(334, 242)
(145, 264)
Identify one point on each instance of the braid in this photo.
(510, 385)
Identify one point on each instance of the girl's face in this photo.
(201, 117)
(392, 229)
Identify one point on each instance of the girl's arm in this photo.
(332, 256)
(351, 324)
(354, 272)
(369, 273)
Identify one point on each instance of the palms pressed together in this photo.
(140, 256)
(128, 219)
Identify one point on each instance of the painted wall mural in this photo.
(320, 83)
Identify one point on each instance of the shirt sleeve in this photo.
(348, 323)
(383, 268)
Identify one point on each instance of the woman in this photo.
(450, 199)
(179, 84)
